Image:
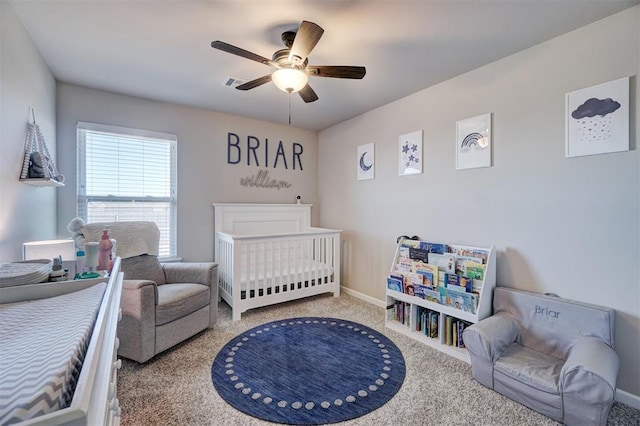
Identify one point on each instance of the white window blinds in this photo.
(128, 174)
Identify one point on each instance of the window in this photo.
(128, 174)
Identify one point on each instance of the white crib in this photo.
(269, 253)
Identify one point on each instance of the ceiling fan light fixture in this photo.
(290, 80)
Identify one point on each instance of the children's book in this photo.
(445, 262)
(403, 266)
(420, 290)
(482, 254)
(474, 270)
(433, 247)
(467, 302)
(430, 273)
(394, 284)
(432, 295)
(418, 254)
(461, 260)
(457, 280)
(433, 324)
(403, 252)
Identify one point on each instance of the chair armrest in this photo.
(136, 331)
(590, 370)
(488, 338)
(191, 272)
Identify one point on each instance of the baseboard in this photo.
(627, 398)
(363, 296)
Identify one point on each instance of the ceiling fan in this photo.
(292, 71)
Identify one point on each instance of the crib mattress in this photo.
(43, 344)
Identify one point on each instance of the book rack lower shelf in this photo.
(458, 353)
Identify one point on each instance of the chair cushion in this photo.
(145, 267)
(178, 300)
(530, 367)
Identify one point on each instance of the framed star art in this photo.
(410, 154)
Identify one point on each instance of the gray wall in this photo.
(204, 176)
(567, 226)
(28, 213)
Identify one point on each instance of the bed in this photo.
(58, 343)
(270, 253)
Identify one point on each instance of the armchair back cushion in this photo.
(143, 267)
(552, 325)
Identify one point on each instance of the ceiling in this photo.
(161, 50)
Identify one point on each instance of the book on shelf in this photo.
(430, 274)
(420, 290)
(434, 318)
(403, 252)
(403, 266)
(395, 284)
(432, 295)
(445, 262)
(474, 270)
(410, 243)
(434, 247)
(458, 280)
(478, 253)
(454, 297)
(448, 330)
(418, 254)
(462, 260)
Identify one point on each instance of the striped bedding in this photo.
(42, 346)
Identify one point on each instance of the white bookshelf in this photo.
(485, 299)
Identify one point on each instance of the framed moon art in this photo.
(473, 142)
(366, 161)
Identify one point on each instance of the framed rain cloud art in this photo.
(473, 142)
(410, 154)
(597, 119)
(366, 161)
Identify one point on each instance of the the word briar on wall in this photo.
(263, 154)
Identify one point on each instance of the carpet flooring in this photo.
(174, 388)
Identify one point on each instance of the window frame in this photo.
(82, 199)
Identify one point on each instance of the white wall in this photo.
(204, 177)
(567, 226)
(27, 213)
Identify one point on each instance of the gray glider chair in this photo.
(162, 304)
(554, 355)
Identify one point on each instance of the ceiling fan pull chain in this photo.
(289, 108)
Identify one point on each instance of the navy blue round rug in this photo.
(308, 371)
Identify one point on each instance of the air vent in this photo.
(232, 82)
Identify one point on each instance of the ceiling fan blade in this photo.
(254, 83)
(336, 71)
(306, 39)
(307, 94)
(229, 48)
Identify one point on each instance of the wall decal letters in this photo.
(256, 152)
(263, 180)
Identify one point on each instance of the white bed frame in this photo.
(270, 253)
(94, 400)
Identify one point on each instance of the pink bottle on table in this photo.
(105, 250)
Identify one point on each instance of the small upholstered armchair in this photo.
(554, 355)
(162, 304)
